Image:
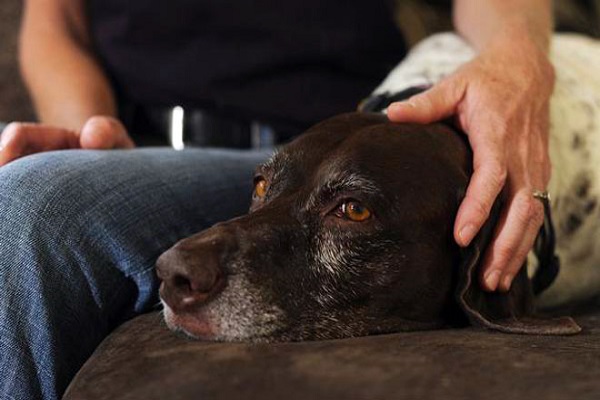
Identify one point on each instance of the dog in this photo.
(350, 234)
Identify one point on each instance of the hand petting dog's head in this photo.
(349, 234)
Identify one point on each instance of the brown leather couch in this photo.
(142, 360)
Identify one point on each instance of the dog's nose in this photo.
(191, 272)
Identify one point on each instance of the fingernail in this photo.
(491, 279)
(406, 103)
(506, 282)
(466, 234)
(394, 107)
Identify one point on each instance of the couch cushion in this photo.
(143, 360)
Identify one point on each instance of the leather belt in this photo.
(182, 127)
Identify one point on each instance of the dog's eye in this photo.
(260, 188)
(355, 211)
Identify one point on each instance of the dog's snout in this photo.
(192, 271)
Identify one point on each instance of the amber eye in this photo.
(355, 211)
(260, 188)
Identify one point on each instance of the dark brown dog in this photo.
(349, 234)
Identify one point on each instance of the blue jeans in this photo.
(79, 234)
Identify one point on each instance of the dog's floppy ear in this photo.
(506, 312)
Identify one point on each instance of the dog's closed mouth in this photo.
(193, 325)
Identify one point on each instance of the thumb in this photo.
(435, 104)
(104, 133)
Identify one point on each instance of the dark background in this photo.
(417, 19)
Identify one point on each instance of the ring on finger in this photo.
(542, 195)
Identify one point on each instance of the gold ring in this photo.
(541, 195)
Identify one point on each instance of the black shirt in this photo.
(299, 61)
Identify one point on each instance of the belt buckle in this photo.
(176, 127)
(262, 136)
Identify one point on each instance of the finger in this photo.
(514, 237)
(21, 139)
(539, 165)
(487, 181)
(104, 133)
(437, 103)
(514, 266)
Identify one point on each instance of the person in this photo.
(80, 230)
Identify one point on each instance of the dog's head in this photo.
(349, 234)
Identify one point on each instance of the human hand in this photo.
(501, 100)
(100, 133)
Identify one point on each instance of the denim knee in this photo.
(73, 234)
(53, 231)
(40, 193)
(86, 208)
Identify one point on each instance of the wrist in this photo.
(522, 30)
(516, 52)
(482, 22)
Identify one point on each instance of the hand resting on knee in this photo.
(100, 133)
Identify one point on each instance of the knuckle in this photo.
(504, 253)
(444, 88)
(498, 175)
(495, 171)
(525, 209)
(101, 124)
(104, 124)
(480, 209)
(529, 210)
(517, 262)
(419, 100)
